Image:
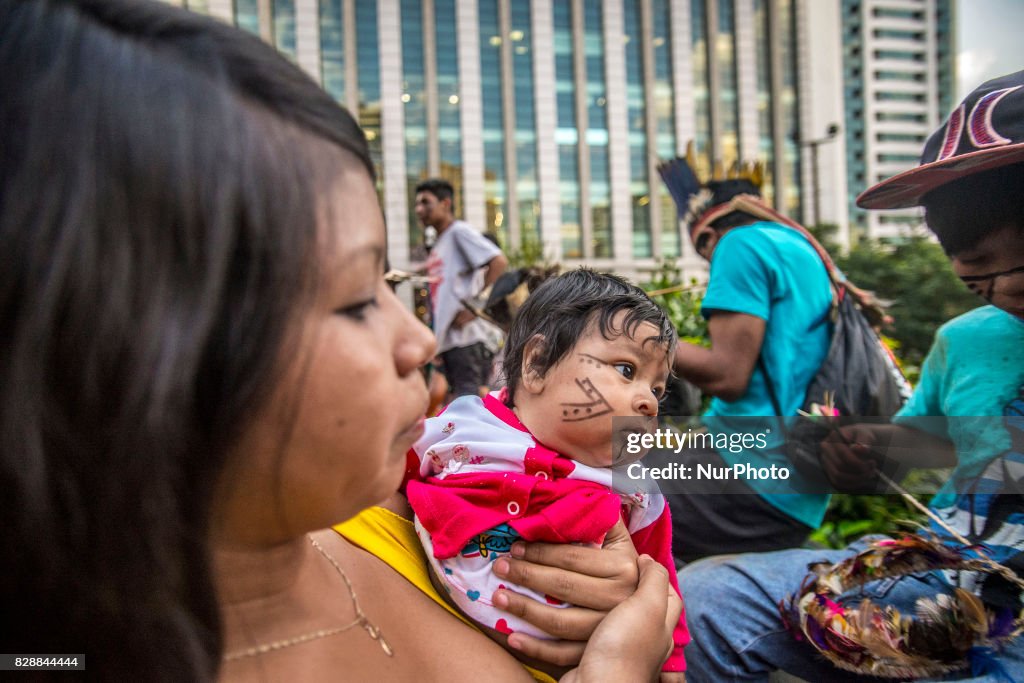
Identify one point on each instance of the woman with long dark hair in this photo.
(201, 366)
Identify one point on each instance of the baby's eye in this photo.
(626, 370)
(659, 392)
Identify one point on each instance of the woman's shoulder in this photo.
(430, 641)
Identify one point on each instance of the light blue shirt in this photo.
(770, 271)
(973, 370)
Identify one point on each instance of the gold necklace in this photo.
(360, 620)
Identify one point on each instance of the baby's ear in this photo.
(532, 379)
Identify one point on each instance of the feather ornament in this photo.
(946, 633)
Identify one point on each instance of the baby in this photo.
(536, 460)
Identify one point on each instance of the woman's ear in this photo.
(532, 380)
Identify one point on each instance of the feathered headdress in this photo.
(694, 198)
(947, 633)
(739, 189)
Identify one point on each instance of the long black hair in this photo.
(159, 175)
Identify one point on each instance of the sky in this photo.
(989, 42)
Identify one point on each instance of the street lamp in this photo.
(830, 134)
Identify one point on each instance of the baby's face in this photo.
(597, 380)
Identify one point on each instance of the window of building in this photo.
(899, 116)
(597, 129)
(283, 17)
(664, 114)
(884, 96)
(414, 107)
(493, 107)
(449, 117)
(247, 15)
(905, 76)
(525, 139)
(905, 55)
(701, 87)
(368, 73)
(566, 133)
(897, 34)
(897, 13)
(900, 137)
(332, 48)
(764, 97)
(790, 185)
(636, 114)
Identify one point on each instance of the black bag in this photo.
(858, 378)
(858, 374)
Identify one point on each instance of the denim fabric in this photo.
(737, 634)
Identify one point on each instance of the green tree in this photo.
(915, 275)
(681, 301)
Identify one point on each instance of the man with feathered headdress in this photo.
(767, 303)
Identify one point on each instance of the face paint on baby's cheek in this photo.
(595, 404)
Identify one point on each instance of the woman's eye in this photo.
(625, 369)
(358, 311)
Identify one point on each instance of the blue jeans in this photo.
(737, 634)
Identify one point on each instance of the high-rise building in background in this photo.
(550, 116)
(899, 74)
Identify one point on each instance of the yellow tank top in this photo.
(392, 539)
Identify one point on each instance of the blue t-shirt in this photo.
(972, 372)
(770, 271)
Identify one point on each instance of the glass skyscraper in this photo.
(550, 116)
(899, 86)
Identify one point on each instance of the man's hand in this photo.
(849, 459)
(463, 317)
(852, 456)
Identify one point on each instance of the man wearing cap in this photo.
(767, 303)
(971, 397)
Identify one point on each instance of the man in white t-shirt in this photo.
(462, 263)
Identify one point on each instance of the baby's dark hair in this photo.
(562, 309)
(964, 212)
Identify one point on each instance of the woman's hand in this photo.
(594, 580)
(635, 638)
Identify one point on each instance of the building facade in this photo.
(899, 75)
(550, 116)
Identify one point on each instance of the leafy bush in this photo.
(681, 300)
(915, 275)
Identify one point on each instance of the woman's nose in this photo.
(415, 344)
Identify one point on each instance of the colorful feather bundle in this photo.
(942, 636)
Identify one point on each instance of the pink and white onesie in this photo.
(485, 482)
